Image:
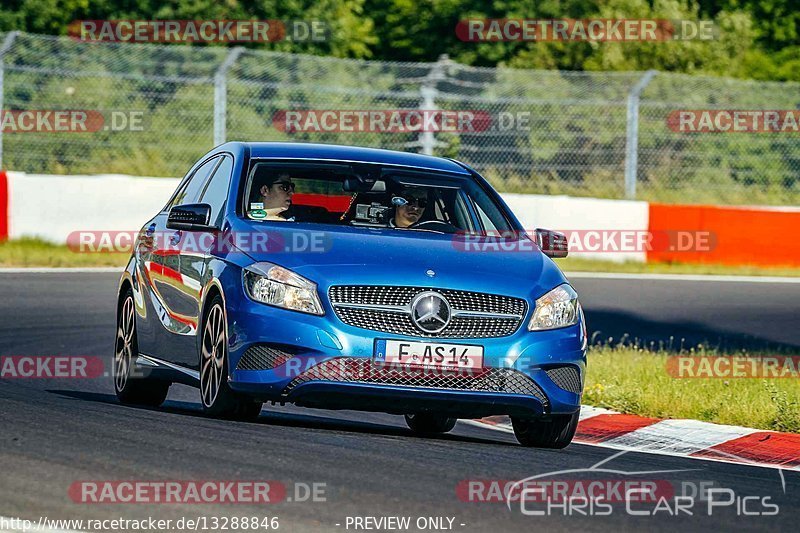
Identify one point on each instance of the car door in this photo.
(196, 252)
(169, 317)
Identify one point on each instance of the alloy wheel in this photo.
(213, 356)
(123, 354)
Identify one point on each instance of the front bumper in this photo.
(300, 346)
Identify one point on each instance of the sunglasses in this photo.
(419, 202)
(285, 186)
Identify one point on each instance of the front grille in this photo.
(262, 357)
(566, 377)
(355, 370)
(390, 311)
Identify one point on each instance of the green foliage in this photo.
(759, 39)
(576, 140)
(351, 32)
(787, 410)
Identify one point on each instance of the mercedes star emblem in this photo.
(430, 312)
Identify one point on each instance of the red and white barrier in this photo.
(51, 207)
(762, 236)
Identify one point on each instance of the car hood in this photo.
(331, 255)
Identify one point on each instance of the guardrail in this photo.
(602, 229)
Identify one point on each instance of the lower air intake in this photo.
(262, 357)
(567, 377)
(356, 370)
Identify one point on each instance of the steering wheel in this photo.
(434, 225)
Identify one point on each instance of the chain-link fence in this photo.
(599, 134)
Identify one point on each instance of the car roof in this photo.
(333, 152)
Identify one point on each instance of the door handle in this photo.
(150, 230)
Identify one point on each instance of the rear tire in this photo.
(554, 432)
(216, 396)
(130, 388)
(430, 423)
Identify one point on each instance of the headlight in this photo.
(558, 308)
(274, 285)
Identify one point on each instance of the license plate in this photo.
(455, 356)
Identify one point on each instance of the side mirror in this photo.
(552, 243)
(190, 217)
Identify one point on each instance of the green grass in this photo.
(29, 252)
(636, 381)
(37, 253)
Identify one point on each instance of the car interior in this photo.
(344, 195)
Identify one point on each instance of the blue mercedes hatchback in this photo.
(337, 277)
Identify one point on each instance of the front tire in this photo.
(217, 397)
(130, 388)
(430, 423)
(554, 432)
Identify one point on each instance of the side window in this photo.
(190, 192)
(491, 218)
(488, 225)
(216, 192)
(462, 218)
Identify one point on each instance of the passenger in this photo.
(411, 208)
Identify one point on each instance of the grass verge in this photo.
(28, 252)
(636, 381)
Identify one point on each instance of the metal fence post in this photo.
(7, 42)
(428, 91)
(221, 95)
(632, 135)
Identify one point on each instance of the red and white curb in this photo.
(677, 437)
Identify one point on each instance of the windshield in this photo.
(370, 196)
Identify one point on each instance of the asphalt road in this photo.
(56, 432)
(726, 314)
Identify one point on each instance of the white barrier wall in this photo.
(565, 213)
(51, 207)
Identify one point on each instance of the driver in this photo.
(416, 200)
(276, 198)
